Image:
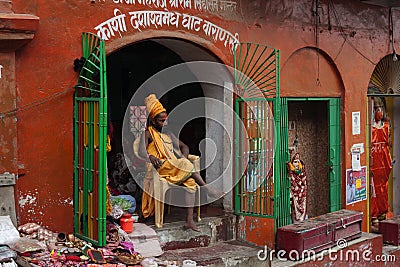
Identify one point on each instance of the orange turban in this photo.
(153, 106)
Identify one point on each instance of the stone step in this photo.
(212, 230)
(222, 254)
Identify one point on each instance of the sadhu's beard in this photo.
(160, 128)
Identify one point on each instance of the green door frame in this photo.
(334, 147)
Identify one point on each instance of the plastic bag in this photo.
(8, 232)
(125, 202)
(7, 253)
(116, 212)
(11, 263)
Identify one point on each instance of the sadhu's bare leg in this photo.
(210, 190)
(190, 198)
(199, 180)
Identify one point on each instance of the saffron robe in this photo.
(175, 170)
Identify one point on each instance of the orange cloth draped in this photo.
(174, 170)
(148, 204)
(153, 106)
(381, 168)
(108, 203)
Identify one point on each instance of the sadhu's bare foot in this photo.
(191, 225)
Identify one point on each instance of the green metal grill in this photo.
(257, 69)
(90, 133)
(283, 196)
(254, 157)
(260, 153)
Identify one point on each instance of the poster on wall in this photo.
(355, 122)
(356, 185)
(356, 151)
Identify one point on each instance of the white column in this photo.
(219, 143)
(228, 178)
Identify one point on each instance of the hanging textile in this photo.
(298, 188)
(381, 168)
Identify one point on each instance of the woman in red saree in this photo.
(298, 188)
(381, 165)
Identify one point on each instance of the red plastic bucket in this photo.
(126, 222)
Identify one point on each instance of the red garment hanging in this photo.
(381, 168)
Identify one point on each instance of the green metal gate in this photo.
(283, 206)
(90, 133)
(262, 187)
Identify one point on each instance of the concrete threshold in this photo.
(222, 254)
(212, 230)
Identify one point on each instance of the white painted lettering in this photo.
(220, 34)
(202, 5)
(180, 3)
(117, 23)
(191, 22)
(228, 6)
(143, 19)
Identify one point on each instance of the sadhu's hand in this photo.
(155, 161)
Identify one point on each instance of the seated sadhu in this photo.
(159, 145)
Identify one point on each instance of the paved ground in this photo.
(231, 253)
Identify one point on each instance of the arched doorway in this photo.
(127, 69)
(384, 139)
(97, 110)
(315, 100)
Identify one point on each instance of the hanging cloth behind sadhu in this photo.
(175, 170)
(381, 168)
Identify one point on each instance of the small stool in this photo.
(390, 230)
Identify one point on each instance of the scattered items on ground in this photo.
(36, 246)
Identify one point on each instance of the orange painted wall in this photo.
(45, 67)
(256, 230)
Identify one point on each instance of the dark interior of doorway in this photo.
(127, 70)
(309, 121)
